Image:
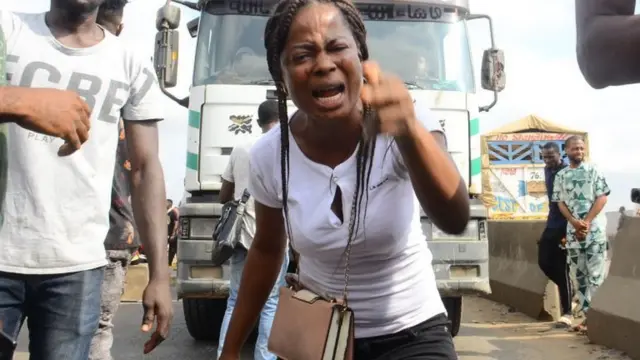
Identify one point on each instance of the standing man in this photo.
(121, 240)
(552, 258)
(608, 42)
(56, 211)
(31, 108)
(581, 191)
(234, 181)
(173, 218)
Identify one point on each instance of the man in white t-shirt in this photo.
(234, 181)
(56, 209)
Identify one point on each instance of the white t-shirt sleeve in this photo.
(145, 98)
(228, 172)
(430, 122)
(8, 22)
(263, 184)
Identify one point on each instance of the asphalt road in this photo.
(490, 332)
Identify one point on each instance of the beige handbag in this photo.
(308, 326)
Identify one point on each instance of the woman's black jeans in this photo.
(430, 340)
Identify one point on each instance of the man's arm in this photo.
(141, 114)
(175, 216)
(148, 193)
(601, 192)
(226, 191)
(51, 112)
(608, 42)
(597, 207)
(228, 186)
(566, 213)
(9, 109)
(558, 197)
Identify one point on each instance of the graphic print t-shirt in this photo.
(122, 233)
(3, 131)
(172, 219)
(56, 210)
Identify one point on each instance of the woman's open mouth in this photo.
(329, 97)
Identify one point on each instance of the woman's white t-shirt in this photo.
(392, 286)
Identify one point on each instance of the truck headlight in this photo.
(475, 231)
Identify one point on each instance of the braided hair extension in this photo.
(275, 37)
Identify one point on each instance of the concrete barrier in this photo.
(516, 278)
(614, 317)
(135, 283)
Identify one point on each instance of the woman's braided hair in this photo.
(275, 37)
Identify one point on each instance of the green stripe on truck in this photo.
(194, 119)
(476, 166)
(474, 130)
(192, 161)
(474, 126)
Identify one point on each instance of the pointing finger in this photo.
(155, 340)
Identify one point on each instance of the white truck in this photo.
(426, 42)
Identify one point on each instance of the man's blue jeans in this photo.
(62, 312)
(268, 311)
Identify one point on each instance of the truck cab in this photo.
(425, 42)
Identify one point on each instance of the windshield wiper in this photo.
(261, 82)
(412, 85)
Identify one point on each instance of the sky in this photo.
(538, 38)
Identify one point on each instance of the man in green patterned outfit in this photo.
(581, 193)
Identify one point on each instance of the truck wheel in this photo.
(454, 310)
(204, 317)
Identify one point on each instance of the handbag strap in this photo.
(245, 196)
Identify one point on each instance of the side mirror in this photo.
(168, 17)
(493, 77)
(635, 196)
(192, 26)
(165, 59)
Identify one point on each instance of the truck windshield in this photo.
(426, 55)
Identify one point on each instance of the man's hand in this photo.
(53, 112)
(582, 233)
(581, 227)
(578, 224)
(157, 304)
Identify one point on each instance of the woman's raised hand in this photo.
(391, 100)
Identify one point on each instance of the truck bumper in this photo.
(461, 263)
(196, 277)
(460, 267)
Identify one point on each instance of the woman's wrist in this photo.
(410, 134)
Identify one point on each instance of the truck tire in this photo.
(454, 311)
(204, 317)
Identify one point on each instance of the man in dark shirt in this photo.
(172, 230)
(552, 258)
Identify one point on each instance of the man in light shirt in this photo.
(234, 181)
(56, 209)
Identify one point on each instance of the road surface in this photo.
(490, 332)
